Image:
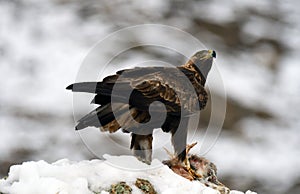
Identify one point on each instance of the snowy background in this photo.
(43, 43)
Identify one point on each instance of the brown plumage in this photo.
(126, 101)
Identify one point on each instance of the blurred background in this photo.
(43, 43)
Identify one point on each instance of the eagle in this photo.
(141, 99)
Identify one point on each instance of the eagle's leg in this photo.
(142, 147)
(187, 164)
(187, 158)
(179, 138)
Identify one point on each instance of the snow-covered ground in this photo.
(43, 43)
(96, 176)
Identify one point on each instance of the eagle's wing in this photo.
(168, 85)
(177, 88)
(172, 86)
(134, 90)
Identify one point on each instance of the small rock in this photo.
(145, 186)
(120, 188)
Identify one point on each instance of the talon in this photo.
(189, 147)
(186, 160)
(187, 164)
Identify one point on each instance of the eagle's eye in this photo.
(214, 54)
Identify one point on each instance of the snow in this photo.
(95, 176)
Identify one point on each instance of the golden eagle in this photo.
(126, 101)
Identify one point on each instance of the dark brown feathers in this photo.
(126, 96)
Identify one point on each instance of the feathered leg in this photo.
(142, 147)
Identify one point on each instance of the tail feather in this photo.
(101, 116)
(92, 87)
(102, 89)
(96, 118)
(101, 99)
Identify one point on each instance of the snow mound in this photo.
(95, 176)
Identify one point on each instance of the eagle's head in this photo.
(203, 60)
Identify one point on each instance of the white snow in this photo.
(95, 176)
